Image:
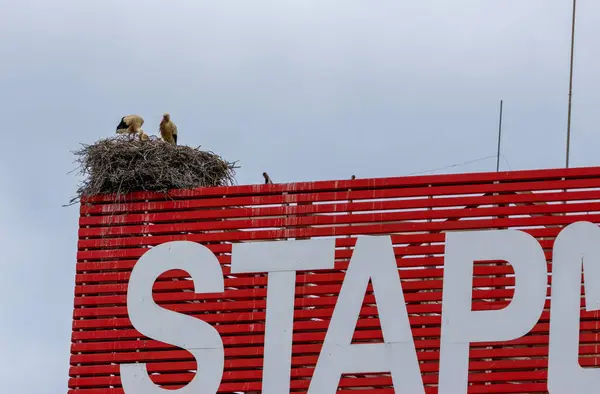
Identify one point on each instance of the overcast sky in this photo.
(305, 89)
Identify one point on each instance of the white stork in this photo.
(168, 130)
(130, 124)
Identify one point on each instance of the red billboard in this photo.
(417, 213)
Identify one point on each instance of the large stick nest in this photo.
(119, 166)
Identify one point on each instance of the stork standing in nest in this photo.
(168, 130)
(131, 125)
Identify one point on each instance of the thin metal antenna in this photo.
(499, 139)
(571, 84)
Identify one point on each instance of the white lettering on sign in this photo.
(281, 260)
(194, 335)
(577, 246)
(373, 259)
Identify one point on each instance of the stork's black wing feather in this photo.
(175, 138)
(122, 125)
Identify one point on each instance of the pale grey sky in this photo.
(306, 90)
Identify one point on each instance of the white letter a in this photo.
(374, 259)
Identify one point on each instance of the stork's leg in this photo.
(175, 138)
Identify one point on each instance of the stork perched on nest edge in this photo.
(168, 130)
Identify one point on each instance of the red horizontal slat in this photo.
(251, 382)
(522, 388)
(239, 236)
(171, 205)
(320, 220)
(207, 213)
(302, 278)
(255, 342)
(372, 183)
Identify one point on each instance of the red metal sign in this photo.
(415, 211)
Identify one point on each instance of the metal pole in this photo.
(499, 139)
(571, 84)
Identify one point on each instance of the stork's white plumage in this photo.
(168, 130)
(130, 124)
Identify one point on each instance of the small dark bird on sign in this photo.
(353, 177)
(268, 180)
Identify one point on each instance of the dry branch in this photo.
(120, 166)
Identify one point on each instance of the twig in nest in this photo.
(120, 166)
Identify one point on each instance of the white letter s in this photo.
(186, 332)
